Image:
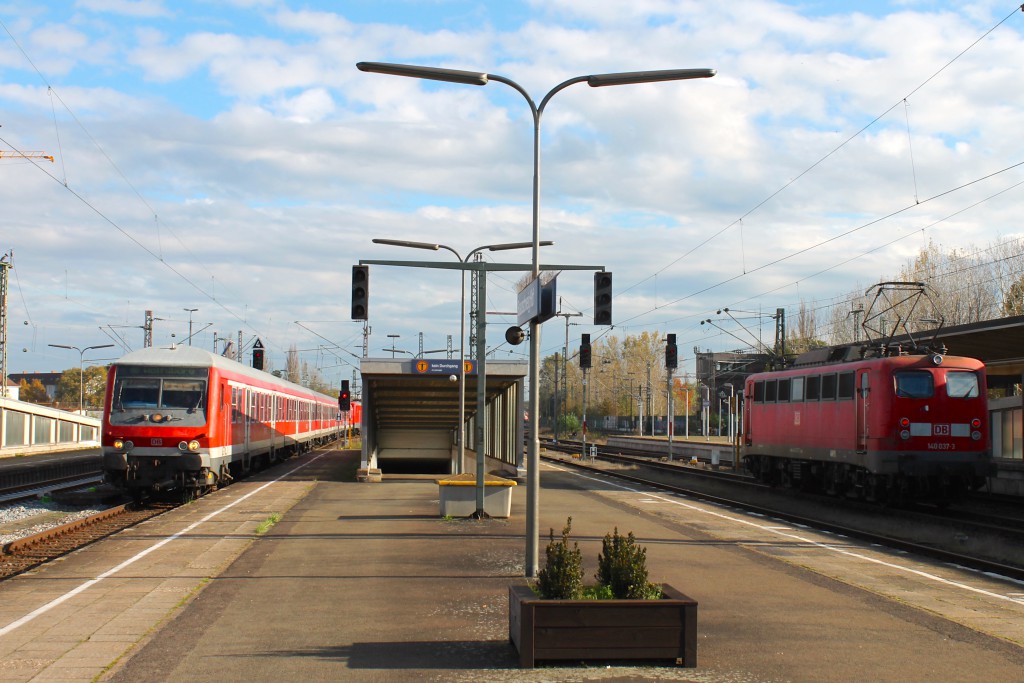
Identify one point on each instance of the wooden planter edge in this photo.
(583, 628)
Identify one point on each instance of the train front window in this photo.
(960, 384)
(172, 401)
(914, 384)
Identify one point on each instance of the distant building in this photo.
(47, 379)
(13, 389)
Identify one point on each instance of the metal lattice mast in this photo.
(474, 295)
(5, 265)
(147, 334)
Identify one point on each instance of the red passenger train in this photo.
(884, 428)
(188, 420)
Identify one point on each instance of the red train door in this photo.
(861, 399)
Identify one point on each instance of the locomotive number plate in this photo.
(941, 446)
(156, 442)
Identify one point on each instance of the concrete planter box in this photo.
(603, 630)
(458, 496)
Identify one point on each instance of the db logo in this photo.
(941, 430)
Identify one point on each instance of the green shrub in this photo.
(622, 566)
(562, 575)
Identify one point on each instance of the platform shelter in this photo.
(411, 416)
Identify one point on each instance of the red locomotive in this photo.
(184, 419)
(884, 428)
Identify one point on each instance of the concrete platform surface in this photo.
(365, 582)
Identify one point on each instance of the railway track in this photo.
(982, 544)
(26, 553)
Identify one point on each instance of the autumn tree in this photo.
(32, 392)
(90, 385)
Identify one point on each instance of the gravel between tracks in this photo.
(32, 517)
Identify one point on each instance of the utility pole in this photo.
(565, 359)
(6, 262)
(147, 331)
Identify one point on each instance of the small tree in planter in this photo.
(622, 568)
(562, 575)
(660, 624)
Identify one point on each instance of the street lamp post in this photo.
(81, 369)
(594, 81)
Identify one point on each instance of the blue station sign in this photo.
(450, 366)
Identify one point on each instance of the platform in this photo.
(365, 582)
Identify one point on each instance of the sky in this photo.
(229, 157)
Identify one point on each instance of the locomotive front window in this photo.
(960, 384)
(914, 384)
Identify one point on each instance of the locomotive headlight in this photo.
(905, 428)
(118, 444)
(188, 446)
(122, 445)
(183, 446)
(976, 423)
(937, 359)
(905, 434)
(976, 436)
(904, 422)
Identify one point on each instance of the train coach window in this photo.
(846, 385)
(828, 387)
(961, 384)
(138, 393)
(914, 384)
(813, 391)
(180, 393)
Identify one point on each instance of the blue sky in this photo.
(228, 156)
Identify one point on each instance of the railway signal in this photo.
(585, 351)
(671, 353)
(602, 298)
(257, 355)
(344, 398)
(360, 292)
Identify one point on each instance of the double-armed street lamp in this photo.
(81, 369)
(594, 81)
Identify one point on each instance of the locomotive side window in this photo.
(759, 392)
(828, 387)
(813, 392)
(783, 391)
(797, 389)
(846, 386)
(960, 384)
(771, 391)
(914, 384)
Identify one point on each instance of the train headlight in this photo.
(189, 446)
(905, 434)
(118, 444)
(976, 436)
(937, 359)
(976, 423)
(122, 445)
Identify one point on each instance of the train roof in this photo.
(194, 357)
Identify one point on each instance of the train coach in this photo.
(186, 420)
(884, 429)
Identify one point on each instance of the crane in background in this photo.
(12, 154)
